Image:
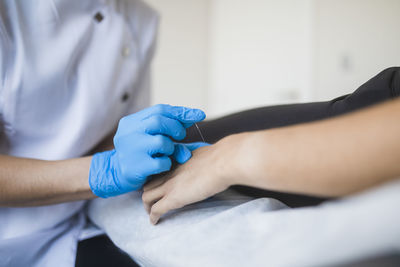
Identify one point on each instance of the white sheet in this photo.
(231, 230)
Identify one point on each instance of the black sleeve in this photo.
(382, 87)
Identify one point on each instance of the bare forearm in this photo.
(328, 158)
(29, 182)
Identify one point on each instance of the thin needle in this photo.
(201, 135)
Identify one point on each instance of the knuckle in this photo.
(157, 120)
(120, 142)
(152, 123)
(160, 140)
(145, 198)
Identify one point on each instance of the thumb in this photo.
(183, 152)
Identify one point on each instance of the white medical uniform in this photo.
(69, 71)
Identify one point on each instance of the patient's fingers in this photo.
(152, 196)
(161, 207)
(154, 183)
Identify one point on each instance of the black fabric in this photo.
(99, 251)
(385, 260)
(382, 87)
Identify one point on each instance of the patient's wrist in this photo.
(253, 159)
(232, 152)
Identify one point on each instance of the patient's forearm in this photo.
(328, 158)
(334, 157)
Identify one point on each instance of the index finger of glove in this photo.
(183, 114)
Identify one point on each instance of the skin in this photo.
(31, 182)
(330, 158)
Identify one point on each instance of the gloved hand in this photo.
(143, 145)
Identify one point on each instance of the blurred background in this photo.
(229, 55)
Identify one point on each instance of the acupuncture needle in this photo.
(201, 135)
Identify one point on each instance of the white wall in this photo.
(354, 40)
(260, 53)
(180, 66)
(227, 55)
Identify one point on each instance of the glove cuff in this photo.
(102, 177)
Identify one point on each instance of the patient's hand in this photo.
(208, 172)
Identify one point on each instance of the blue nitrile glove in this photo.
(183, 152)
(142, 148)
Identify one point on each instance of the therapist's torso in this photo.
(69, 71)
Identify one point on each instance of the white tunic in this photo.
(69, 71)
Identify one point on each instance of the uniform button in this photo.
(125, 97)
(126, 51)
(98, 17)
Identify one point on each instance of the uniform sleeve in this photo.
(145, 21)
(5, 54)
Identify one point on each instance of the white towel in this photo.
(232, 230)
